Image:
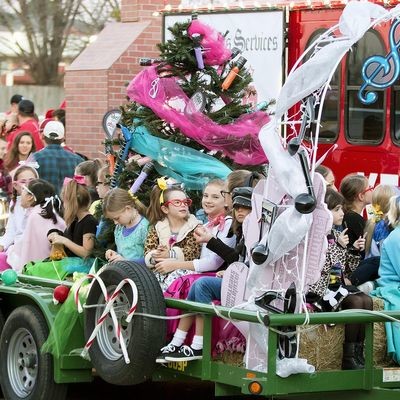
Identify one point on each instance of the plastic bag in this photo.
(57, 252)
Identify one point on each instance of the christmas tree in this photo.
(193, 96)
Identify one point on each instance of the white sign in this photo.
(259, 36)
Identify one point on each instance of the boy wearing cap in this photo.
(55, 163)
(26, 123)
(208, 288)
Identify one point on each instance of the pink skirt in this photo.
(225, 336)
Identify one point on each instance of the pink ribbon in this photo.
(217, 221)
(79, 179)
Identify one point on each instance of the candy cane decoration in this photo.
(109, 309)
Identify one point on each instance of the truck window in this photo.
(364, 123)
(396, 112)
(330, 114)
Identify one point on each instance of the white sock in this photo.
(179, 337)
(197, 343)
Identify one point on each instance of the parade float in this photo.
(112, 319)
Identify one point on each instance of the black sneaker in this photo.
(166, 350)
(185, 353)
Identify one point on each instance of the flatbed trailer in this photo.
(31, 299)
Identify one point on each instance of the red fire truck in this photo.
(367, 136)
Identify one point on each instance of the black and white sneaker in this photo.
(185, 353)
(166, 350)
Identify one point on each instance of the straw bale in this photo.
(322, 346)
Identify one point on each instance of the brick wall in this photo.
(91, 91)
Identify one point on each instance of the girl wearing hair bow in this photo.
(131, 226)
(79, 237)
(170, 265)
(38, 196)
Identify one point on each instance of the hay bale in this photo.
(322, 346)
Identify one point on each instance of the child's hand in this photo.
(220, 274)
(166, 266)
(359, 244)
(343, 238)
(112, 255)
(161, 252)
(202, 234)
(55, 238)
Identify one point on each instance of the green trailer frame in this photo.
(369, 383)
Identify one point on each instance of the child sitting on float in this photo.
(333, 291)
(39, 198)
(131, 226)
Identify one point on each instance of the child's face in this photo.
(101, 187)
(337, 214)
(178, 211)
(213, 202)
(27, 198)
(241, 213)
(124, 217)
(23, 179)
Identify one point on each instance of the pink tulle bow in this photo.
(237, 140)
(79, 179)
(217, 221)
(215, 50)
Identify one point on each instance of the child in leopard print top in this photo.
(334, 290)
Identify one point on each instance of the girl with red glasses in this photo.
(170, 239)
(213, 203)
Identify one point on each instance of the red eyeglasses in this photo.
(178, 202)
(368, 189)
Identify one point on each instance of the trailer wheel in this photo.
(143, 336)
(2, 322)
(26, 373)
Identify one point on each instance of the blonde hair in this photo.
(350, 187)
(394, 211)
(117, 199)
(75, 197)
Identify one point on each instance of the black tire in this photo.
(26, 373)
(144, 336)
(2, 322)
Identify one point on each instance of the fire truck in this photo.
(367, 136)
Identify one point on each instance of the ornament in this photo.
(196, 103)
(196, 37)
(233, 73)
(9, 277)
(60, 294)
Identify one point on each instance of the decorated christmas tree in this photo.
(190, 111)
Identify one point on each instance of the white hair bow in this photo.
(32, 164)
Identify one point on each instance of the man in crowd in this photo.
(55, 163)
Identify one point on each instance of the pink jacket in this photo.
(33, 245)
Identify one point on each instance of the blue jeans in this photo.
(205, 290)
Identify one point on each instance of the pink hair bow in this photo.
(79, 179)
(217, 221)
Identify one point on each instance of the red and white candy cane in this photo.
(109, 309)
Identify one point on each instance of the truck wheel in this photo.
(2, 322)
(143, 336)
(26, 373)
